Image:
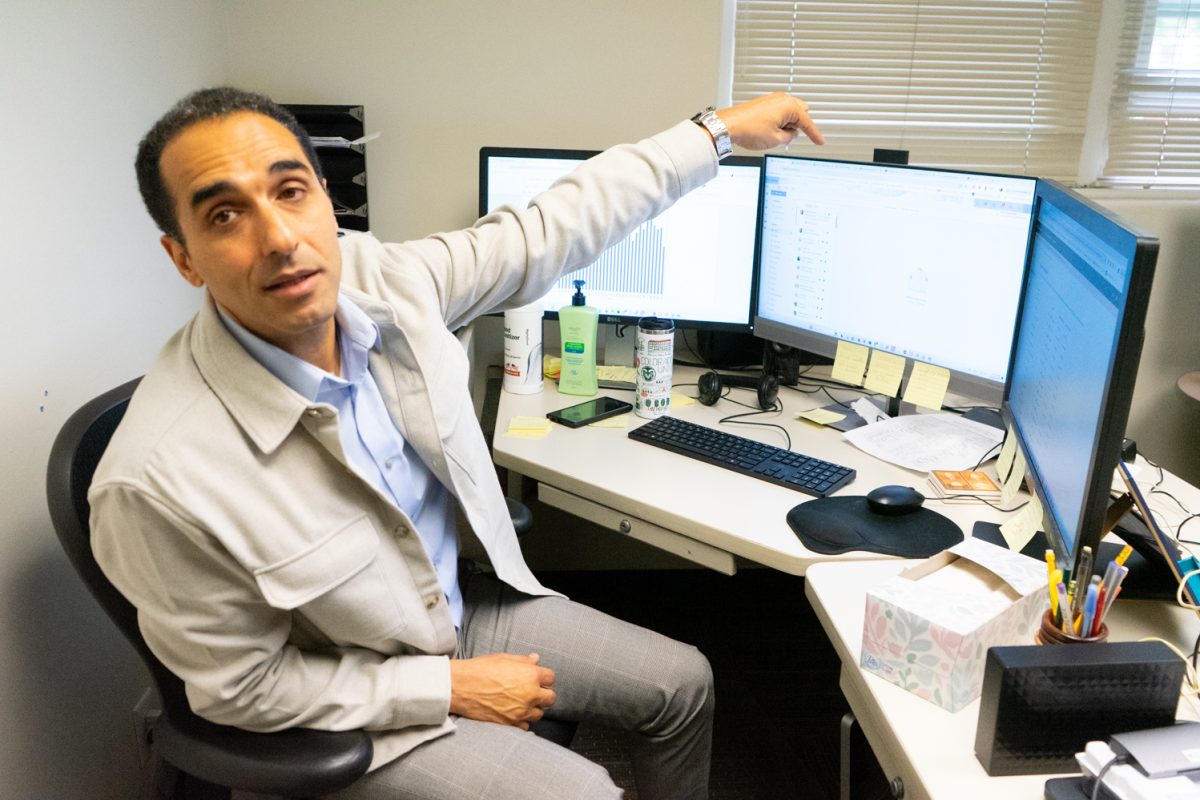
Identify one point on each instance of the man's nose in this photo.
(278, 234)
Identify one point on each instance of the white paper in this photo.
(927, 442)
(870, 412)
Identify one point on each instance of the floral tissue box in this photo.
(928, 629)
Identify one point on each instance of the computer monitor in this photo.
(923, 263)
(694, 263)
(1075, 357)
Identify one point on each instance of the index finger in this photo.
(545, 676)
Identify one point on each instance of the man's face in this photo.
(259, 228)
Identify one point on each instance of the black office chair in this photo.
(211, 759)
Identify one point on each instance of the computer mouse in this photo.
(892, 501)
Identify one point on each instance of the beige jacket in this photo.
(272, 578)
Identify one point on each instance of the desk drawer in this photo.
(635, 528)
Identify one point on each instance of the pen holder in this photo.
(1049, 633)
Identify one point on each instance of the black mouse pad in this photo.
(831, 525)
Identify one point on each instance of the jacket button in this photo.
(401, 531)
(431, 601)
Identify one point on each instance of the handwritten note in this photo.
(850, 363)
(927, 385)
(885, 373)
(1007, 453)
(1024, 524)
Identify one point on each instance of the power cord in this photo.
(1098, 781)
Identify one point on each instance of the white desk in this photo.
(700, 512)
(930, 749)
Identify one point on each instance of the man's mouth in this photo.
(291, 281)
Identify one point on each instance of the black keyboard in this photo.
(763, 461)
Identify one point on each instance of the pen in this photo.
(1115, 588)
(1089, 608)
(1054, 601)
(1083, 573)
(1064, 608)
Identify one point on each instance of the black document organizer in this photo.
(345, 168)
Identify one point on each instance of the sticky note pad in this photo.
(821, 416)
(619, 421)
(551, 366)
(927, 385)
(528, 427)
(850, 363)
(1025, 523)
(885, 373)
(678, 400)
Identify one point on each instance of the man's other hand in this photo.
(769, 121)
(501, 687)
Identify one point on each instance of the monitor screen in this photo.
(922, 263)
(694, 263)
(1075, 358)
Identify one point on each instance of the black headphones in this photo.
(712, 385)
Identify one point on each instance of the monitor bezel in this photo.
(1141, 248)
(821, 344)
(486, 153)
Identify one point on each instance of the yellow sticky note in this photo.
(1008, 489)
(821, 416)
(885, 373)
(551, 366)
(678, 400)
(528, 427)
(619, 421)
(530, 423)
(526, 433)
(1020, 529)
(1007, 453)
(927, 385)
(850, 363)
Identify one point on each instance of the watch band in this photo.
(709, 120)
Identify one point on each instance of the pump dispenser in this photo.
(577, 323)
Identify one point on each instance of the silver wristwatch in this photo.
(712, 123)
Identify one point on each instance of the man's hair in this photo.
(197, 107)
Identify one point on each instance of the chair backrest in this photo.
(73, 459)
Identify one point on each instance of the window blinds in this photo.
(997, 85)
(1154, 133)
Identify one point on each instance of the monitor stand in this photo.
(1149, 576)
(618, 350)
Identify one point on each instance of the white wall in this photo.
(88, 299)
(1165, 422)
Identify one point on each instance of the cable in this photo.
(735, 419)
(1098, 781)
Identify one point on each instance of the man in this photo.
(279, 502)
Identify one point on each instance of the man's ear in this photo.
(179, 256)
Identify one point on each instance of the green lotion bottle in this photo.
(577, 323)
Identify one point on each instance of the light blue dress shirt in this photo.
(372, 443)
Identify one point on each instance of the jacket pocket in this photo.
(337, 584)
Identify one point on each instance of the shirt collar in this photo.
(357, 335)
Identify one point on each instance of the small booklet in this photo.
(963, 483)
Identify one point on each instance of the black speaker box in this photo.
(1041, 704)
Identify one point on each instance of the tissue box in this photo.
(928, 629)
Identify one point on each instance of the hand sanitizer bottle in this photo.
(577, 323)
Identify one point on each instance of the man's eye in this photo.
(222, 216)
(292, 193)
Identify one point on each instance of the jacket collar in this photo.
(261, 404)
(265, 407)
